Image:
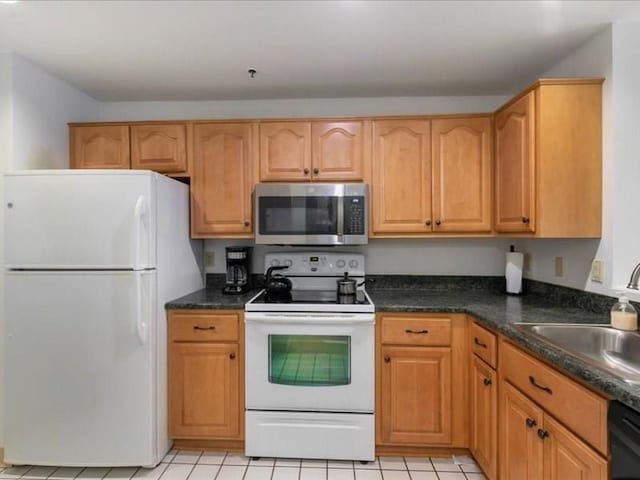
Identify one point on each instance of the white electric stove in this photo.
(310, 363)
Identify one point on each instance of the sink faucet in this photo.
(635, 276)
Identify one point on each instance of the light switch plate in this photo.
(208, 259)
(597, 271)
(559, 266)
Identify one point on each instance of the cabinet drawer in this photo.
(484, 344)
(416, 330)
(203, 327)
(584, 412)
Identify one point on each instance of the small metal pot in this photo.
(347, 286)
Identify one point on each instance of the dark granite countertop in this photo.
(497, 311)
(211, 298)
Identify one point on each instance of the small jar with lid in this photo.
(623, 315)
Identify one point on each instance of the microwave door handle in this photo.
(340, 225)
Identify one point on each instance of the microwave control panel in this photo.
(354, 216)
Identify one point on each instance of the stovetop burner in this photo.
(329, 297)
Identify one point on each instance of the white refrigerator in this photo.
(91, 257)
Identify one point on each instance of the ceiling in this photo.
(201, 50)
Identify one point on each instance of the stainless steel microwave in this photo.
(311, 213)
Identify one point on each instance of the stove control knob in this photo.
(353, 263)
(340, 263)
(275, 262)
(288, 262)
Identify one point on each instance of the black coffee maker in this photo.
(238, 270)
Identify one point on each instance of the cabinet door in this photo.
(416, 395)
(401, 183)
(461, 155)
(484, 417)
(336, 149)
(162, 148)
(222, 180)
(515, 166)
(285, 151)
(566, 457)
(100, 146)
(204, 390)
(520, 448)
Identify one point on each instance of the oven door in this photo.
(310, 362)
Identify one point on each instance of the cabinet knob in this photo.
(438, 222)
(247, 223)
(542, 433)
(208, 327)
(306, 171)
(428, 223)
(232, 355)
(387, 359)
(525, 219)
(9, 205)
(316, 171)
(486, 381)
(531, 422)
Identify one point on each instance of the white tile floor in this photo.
(196, 465)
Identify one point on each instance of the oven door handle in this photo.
(306, 319)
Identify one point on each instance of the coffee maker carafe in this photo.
(238, 270)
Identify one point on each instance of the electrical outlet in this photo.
(559, 267)
(597, 271)
(527, 262)
(208, 259)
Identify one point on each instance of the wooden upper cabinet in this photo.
(222, 180)
(159, 147)
(515, 166)
(461, 154)
(401, 171)
(416, 395)
(521, 450)
(285, 151)
(99, 146)
(337, 151)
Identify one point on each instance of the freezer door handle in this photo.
(140, 211)
(141, 325)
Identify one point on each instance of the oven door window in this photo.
(310, 360)
(298, 215)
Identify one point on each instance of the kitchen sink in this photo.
(615, 351)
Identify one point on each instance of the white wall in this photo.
(339, 107)
(34, 110)
(611, 54)
(626, 147)
(5, 155)
(398, 256)
(592, 59)
(42, 107)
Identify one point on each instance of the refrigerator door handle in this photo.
(141, 325)
(141, 210)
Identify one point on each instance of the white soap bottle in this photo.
(623, 315)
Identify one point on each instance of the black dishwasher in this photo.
(624, 435)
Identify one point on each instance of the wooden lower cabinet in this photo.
(416, 395)
(483, 441)
(206, 394)
(204, 400)
(422, 381)
(533, 445)
(521, 451)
